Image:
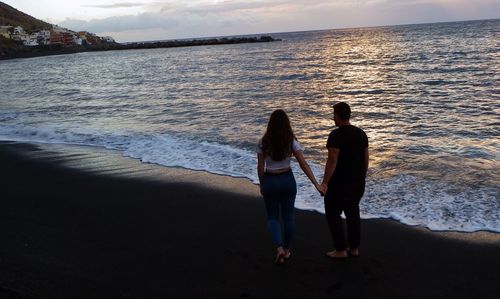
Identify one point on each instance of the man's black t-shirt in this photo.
(351, 142)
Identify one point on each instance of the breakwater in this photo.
(12, 51)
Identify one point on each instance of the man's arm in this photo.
(367, 159)
(331, 164)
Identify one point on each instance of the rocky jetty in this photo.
(13, 50)
(22, 36)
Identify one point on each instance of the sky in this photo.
(145, 20)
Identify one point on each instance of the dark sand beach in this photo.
(69, 232)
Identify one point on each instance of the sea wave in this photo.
(429, 110)
(414, 201)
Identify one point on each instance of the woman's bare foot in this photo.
(280, 255)
(288, 253)
(337, 254)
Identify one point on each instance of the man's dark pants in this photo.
(343, 196)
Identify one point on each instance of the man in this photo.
(344, 178)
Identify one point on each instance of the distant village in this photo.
(19, 42)
(54, 36)
(59, 40)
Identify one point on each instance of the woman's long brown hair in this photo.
(278, 139)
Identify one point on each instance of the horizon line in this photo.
(310, 30)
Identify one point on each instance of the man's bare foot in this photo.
(353, 252)
(337, 254)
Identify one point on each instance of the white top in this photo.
(285, 163)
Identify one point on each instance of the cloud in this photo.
(116, 5)
(121, 23)
(177, 19)
(224, 7)
(169, 15)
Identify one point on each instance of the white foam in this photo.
(192, 154)
(437, 205)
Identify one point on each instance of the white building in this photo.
(31, 42)
(108, 39)
(18, 30)
(43, 37)
(4, 32)
(20, 37)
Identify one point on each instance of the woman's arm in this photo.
(367, 159)
(261, 163)
(307, 170)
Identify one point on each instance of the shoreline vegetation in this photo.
(12, 50)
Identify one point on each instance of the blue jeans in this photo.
(279, 192)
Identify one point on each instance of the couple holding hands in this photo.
(343, 182)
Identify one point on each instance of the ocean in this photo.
(426, 95)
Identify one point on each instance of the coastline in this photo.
(109, 162)
(83, 222)
(49, 50)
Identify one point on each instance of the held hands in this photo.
(325, 188)
(321, 188)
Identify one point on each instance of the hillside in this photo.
(13, 17)
(15, 44)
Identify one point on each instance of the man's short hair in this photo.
(342, 110)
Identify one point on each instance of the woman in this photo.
(277, 183)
